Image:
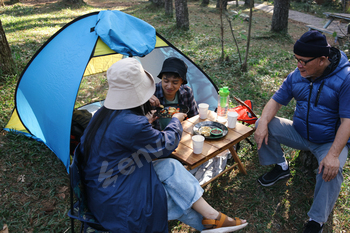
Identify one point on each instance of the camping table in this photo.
(331, 17)
(338, 16)
(184, 152)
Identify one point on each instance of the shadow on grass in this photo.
(280, 208)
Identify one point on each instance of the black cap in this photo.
(312, 44)
(174, 65)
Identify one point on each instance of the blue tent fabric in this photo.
(47, 90)
(129, 35)
(48, 87)
(46, 93)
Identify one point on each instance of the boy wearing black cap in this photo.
(321, 123)
(172, 88)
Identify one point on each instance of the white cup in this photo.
(203, 110)
(232, 119)
(198, 142)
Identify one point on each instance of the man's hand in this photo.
(154, 101)
(330, 166)
(261, 134)
(270, 110)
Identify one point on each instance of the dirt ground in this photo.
(307, 19)
(337, 26)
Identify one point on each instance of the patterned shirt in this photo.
(185, 96)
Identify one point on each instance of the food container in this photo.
(164, 119)
(216, 132)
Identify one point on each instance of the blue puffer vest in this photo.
(316, 117)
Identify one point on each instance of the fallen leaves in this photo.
(4, 229)
(21, 178)
(61, 192)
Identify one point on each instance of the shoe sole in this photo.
(225, 229)
(272, 183)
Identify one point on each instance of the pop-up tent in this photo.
(90, 44)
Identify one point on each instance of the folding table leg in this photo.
(238, 161)
(328, 23)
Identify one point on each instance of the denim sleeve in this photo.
(157, 143)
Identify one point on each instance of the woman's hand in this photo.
(151, 117)
(181, 116)
(154, 101)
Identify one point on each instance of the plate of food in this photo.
(210, 129)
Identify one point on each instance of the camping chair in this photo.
(245, 115)
(79, 209)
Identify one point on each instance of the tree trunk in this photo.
(246, 3)
(222, 3)
(222, 33)
(74, 1)
(244, 66)
(280, 16)
(181, 10)
(7, 65)
(159, 3)
(205, 3)
(168, 5)
(308, 162)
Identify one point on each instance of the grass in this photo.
(34, 194)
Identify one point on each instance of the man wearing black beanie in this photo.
(321, 123)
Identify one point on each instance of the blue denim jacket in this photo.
(123, 190)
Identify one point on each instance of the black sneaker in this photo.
(313, 227)
(273, 176)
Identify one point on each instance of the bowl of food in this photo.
(166, 112)
(216, 132)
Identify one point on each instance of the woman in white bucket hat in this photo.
(126, 190)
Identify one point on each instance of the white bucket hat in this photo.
(129, 85)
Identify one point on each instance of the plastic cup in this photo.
(203, 110)
(232, 119)
(198, 142)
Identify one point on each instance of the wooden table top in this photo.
(211, 148)
(338, 15)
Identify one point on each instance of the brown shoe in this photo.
(222, 224)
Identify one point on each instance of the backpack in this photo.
(245, 115)
(245, 112)
(80, 121)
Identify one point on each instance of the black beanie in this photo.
(174, 65)
(312, 44)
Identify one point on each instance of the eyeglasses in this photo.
(302, 62)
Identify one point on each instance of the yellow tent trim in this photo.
(101, 64)
(104, 57)
(15, 123)
(102, 49)
(160, 43)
